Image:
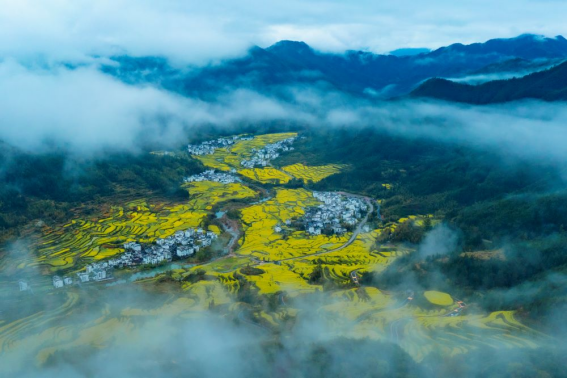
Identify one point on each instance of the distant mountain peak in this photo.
(530, 36)
(409, 51)
(286, 46)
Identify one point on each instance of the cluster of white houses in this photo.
(209, 147)
(271, 151)
(335, 213)
(177, 246)
(211, 175)
(59, 282)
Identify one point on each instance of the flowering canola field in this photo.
(259, 221)
(312, 173)
(225, 159)
(84, 240)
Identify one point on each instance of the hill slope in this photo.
(548, 85)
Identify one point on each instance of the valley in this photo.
(283, 254)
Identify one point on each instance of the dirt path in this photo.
(230, 226)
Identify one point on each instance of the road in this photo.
(230, 226)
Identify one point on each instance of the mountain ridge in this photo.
(294, 63)
(547, 85)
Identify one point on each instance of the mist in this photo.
(86, 112)
(441, 240)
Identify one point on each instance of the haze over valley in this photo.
(298, 189)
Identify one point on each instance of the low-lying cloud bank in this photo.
(86, 111)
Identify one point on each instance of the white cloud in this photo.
(87, 111)
(197, 32)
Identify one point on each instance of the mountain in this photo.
(548, 85)
(409, 51)
(518, 65)
(526, 46)
(290, 63)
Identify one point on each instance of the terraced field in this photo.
(82, 241)
(87, 240)
(312, 173)
(227, 159)
(368, 312)
(206, 194)
(66, 327)
(259, 221)
(280, 278)
(266, 175)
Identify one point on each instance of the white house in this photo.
(23, 285)
(99, 274)
(67, 280)
(57, 282)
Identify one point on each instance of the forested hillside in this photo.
(548, 85)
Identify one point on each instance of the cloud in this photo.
(439, 241)
(87, 111)
(196, 32)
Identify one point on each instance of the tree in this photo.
(316, 276)
(427, 224)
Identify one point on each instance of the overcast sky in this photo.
(197, 31)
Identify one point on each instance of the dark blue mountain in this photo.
(288, 63)
(548, 85)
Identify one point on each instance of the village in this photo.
(263, 156)
(335, 215)
(178, 246)
(209, 147)
(211, 175)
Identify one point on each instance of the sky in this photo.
(200, 32)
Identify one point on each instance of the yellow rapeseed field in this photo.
(88, 240)
(313, 174)
(224, 159)
(438, 298)
(260, 239)
(265, 175)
